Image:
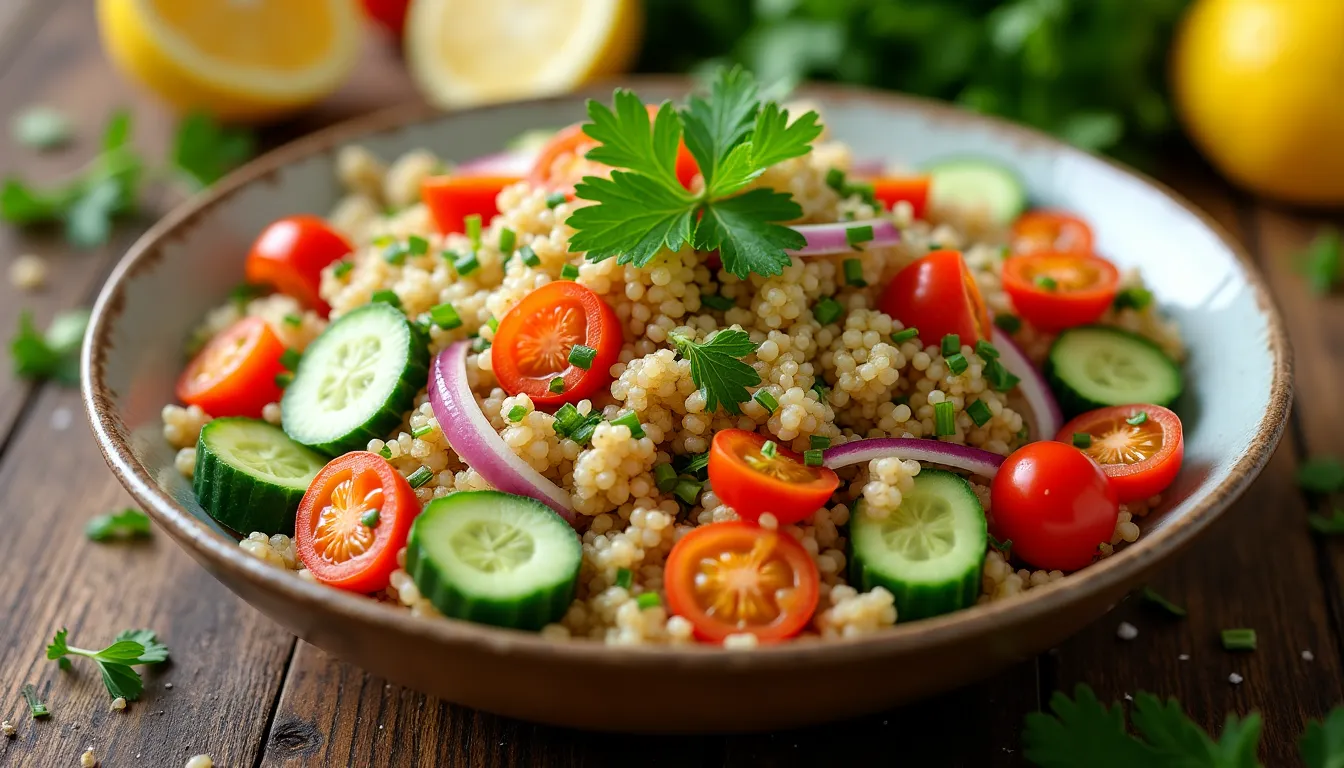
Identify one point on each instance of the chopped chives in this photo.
(493, 323)
(901, 400)
(665, 477)
(951, 344)
(529, 256)
(986, 351)
(935, 247)
(507, 239)
(1046, 282)
(290, 359)
(479, 345)
(715, 301)
(473, 225)
(417, 245)
(856, 236)
(769, 450)
(581, 356)
(1239, 639)
(554, 199)
(835, 179)
(445, 316)
(624, 578)
(283, 379)
(648, 600)
(386, 297)
(35, 706)
(854, 273)
(395, 254)
(827, 311)
(1137, 419)
(584, 432)
(419, 477)
(820, 442)
(466, 263)
(557, 386)
(1153, 597)
(1004, 546)
(1082, 440)
(422, 430)
(293, 319)
(957, 364)
(516, 413)
(1000, 378)
(944, 419)
(567, 417)
(382, 241)
(979, 413)
(687, 490)
(342, 269)
(370, 519)
(766, 400)
(385, 452)
(697, 462)
(904, 335)
(812, 457)
(631, 422)
(1134, 297)
(1008, 323)
(823, 391)
(569, 272)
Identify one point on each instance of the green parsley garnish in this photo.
(1151, 596)
(127, 524)
(290, 359)
(643, 208)
(36, 708)
(41, 128)
(1322, 263)
(370, 518)
(1321, 474)
(1008, 323)
(1327, 525)
(51, 355)
(204, 151)
(131, 648)
(717, 367)
(517, 413)
(1134, 297)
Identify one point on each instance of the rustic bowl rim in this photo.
(1122, 569)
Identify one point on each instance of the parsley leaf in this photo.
(1323, 743)
(204, 151)
(41, 128)
(1180, 741)
(1082, 731)
(1321, 474)
(1322, 262)
(717, 367)
(716, 126)
(115, 662)
(126, 524)
(741, 229)
(53, 355)
(635, 218)
(1327, 525)
(627, 140)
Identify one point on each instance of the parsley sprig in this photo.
(128, 523)
(643, 208)
(717, 367)
(116, 662)
(53, 354)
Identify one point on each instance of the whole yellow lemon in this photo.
(1259, 86)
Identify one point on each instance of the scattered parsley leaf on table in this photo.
(717, 367)
(204, 151)
(129, 523)
(1327, 525)
(1322, 263)
(1321, 474)
(115, 662)
(50, 355)
(1082, 731)
(40, 128)
(1323, 743)
(1177, 740)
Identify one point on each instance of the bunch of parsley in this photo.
(116, 662)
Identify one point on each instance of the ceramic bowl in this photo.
(1237, 402)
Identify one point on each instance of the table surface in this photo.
(243, 690)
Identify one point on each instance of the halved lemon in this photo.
(241, 60)
(465, 52)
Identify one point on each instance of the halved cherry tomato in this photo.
(753, 483)
(937, 294)
(451, 199)
(890, 190)
(1046, 230)
(389, 14)
(561, 163)
(1055, 504)
(735, 577)
(534, 339)
(1054, 291)
(339, 541)
(290, 255)
(234, 375)
(1141, 459)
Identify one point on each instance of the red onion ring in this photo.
(963, 457)
(823, 239)
(500, 164)
(1047, 418)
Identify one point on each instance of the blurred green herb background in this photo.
(1092, 72)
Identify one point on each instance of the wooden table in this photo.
(241, 689)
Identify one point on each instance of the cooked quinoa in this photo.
(842, 380)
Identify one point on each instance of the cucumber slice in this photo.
(494, 558)
(356, 380)
(929, 553)
(250, 476)
(969, 183)
(1093, 366)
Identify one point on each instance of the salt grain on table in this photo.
(1235, 679)
(1308, 656)
(1126, 631)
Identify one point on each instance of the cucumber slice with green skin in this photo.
(969, 183)
(356, 380)
(929, 553)
(494, 558)
(251, 477)
(1094, 366)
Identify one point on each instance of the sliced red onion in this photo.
(1045, 412)
(516, 163)
(868, 167)
(479, 445)
(964, 457)
(823, 239)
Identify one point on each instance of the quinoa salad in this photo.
(688, 372)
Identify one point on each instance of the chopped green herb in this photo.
(472, 222)
(1046, 282)
(1000, 378)
(370, 518)
(858, 235)
(820, 442)
(1134, 297)
(445, 316)
(944, 419)
(813, 457)
(665, 477)
(957, 364)
(567, 417)
(696, 463)
(1323, 261)
(395, 254)
(385, 452)
(131, 648)
(555, 198)
(1008, 323)
(341, 269)
(51, 355)
(904, 335)
(293, 320)
(41, 128)
(687, 490)
(823, 391)
(835, 179)
(557, 386)
(1151, 596)
(951, 345)
(492, 323)
(1321, 474)
(769, 450)
(507, 239)
(204, 150)
(979, 413)
(1082, 440)
(387, 297)
(417, 246)
(631, 422)
(714, 301)
(853, 269)
(1004, 546)
(283, 379)
(529, 256)
(624, 578)
(1331, 525)
(466, 263)
(422, 430)
(1238, 639)
(581, 356)
(1137, 419)
(126, 524)
(36, 708)
(517, 413)
(419, 477)
(479, 345)
(901, 400)
(827, 310)
(986, 351)
(569, 272)
(290, 359)
(648, 600)
(717, 367)
(766, 400)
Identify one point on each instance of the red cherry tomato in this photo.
(234, 375)
(339, 538)
(890, 190)
(561, 163)
(1055, 504)
(735, 577)
(290, 255)
(937, 294)
(753, 484)
(451, 199)
(1051, 231)
(1141, 454)
(1054, 291)
(535, 339)
(388, 14)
